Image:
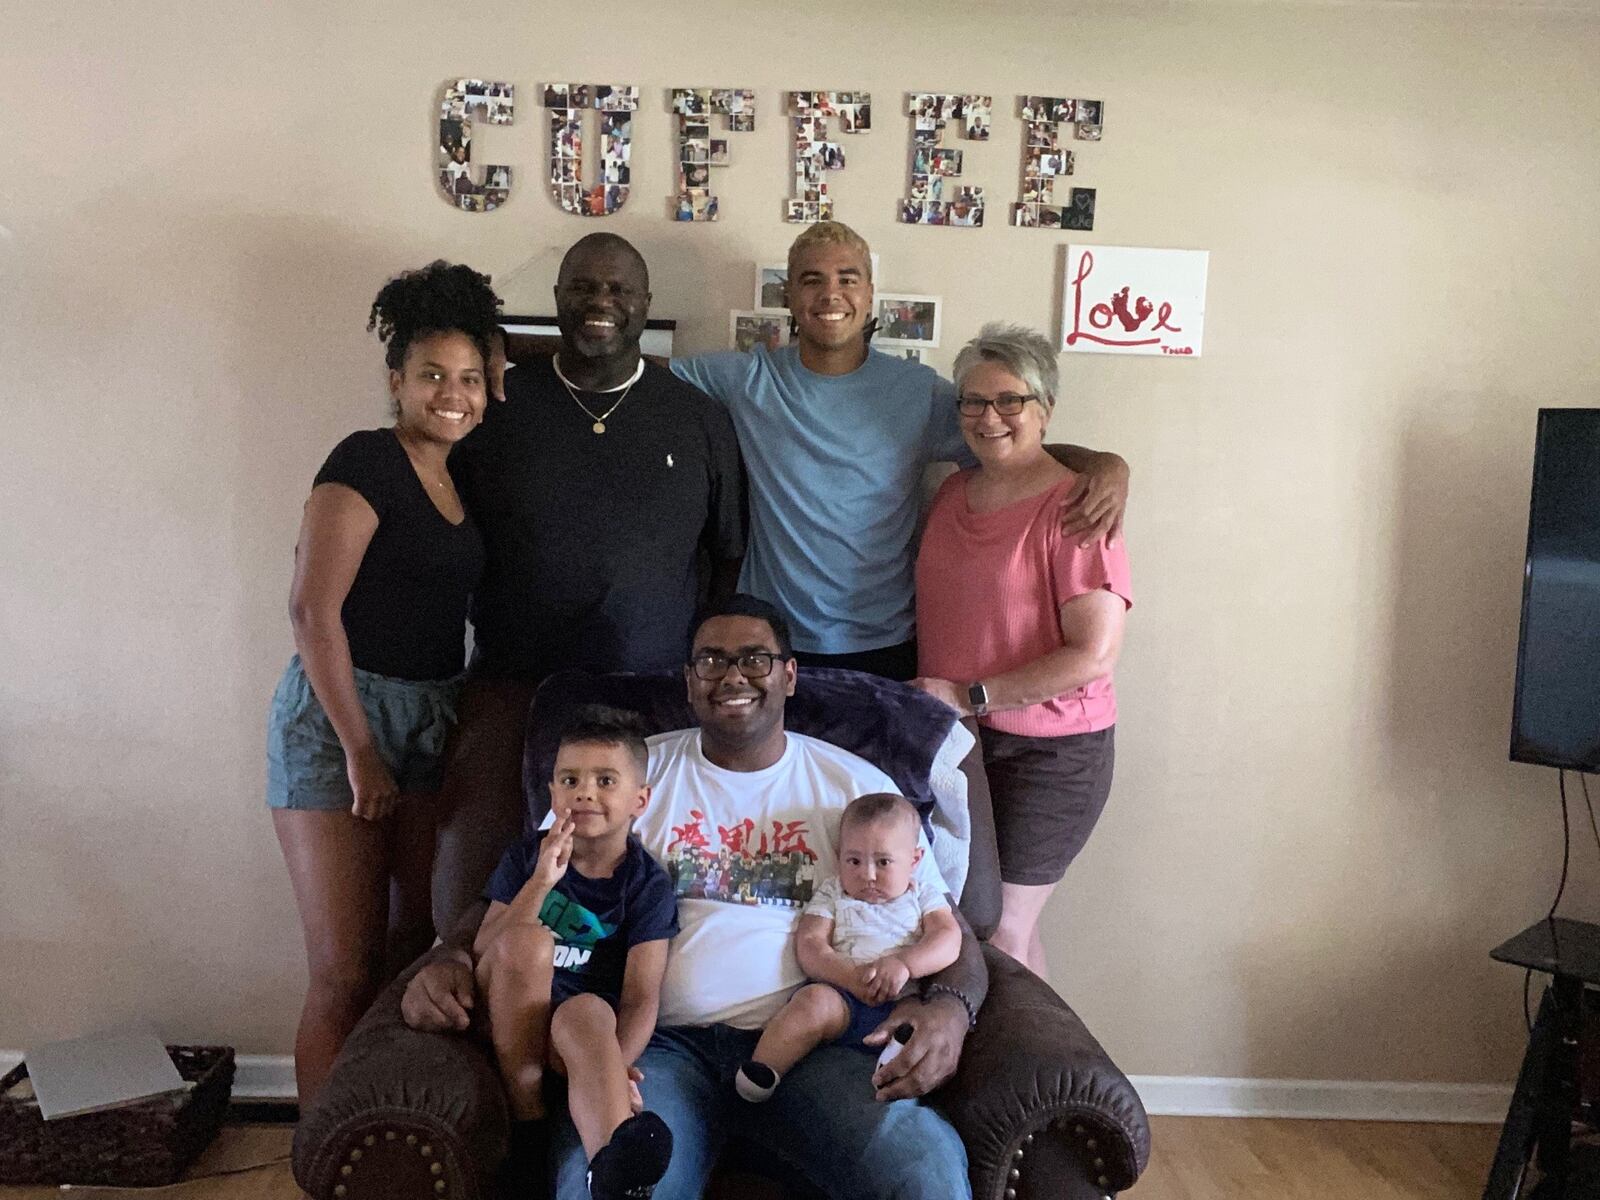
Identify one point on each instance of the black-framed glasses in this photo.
(1006, 405)
(753, 664)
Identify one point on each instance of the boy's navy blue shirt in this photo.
(595, 921)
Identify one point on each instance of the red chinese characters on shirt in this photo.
(786, 839)
(736, 837)
(689, 833)
(742, 837)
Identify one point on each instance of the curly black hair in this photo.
(438, 298)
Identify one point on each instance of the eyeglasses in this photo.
(752, 664)
(1006, 405)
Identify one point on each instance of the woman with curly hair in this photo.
(385, 562)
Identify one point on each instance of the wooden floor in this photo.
(1197, 1158)
(1194, 1159)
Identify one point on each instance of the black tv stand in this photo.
(1538, 1126)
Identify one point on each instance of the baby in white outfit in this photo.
(862, 938)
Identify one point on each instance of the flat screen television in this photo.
(1555, 717)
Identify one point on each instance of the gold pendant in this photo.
(599, 427)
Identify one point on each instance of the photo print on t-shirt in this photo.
(746, 866)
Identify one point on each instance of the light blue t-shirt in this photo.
(835, 465)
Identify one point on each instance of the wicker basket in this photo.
(148, 1144)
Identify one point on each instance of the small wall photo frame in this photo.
(749, 328)
(907, 321)
(771, 280)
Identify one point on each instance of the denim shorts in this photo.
(410, 720)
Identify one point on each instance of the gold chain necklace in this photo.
(599, 419)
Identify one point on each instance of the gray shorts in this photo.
(1048, 792)
(410, 721)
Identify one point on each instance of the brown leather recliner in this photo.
(1042, 1110)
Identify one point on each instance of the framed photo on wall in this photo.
(907, 321)
(771, 279)
(749, 328)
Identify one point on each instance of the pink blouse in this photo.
(990, 587)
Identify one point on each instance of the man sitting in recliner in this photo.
(848, 1128)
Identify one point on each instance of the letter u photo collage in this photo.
(565, 103)
(907, 324)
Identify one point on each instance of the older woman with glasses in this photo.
(1020, 627)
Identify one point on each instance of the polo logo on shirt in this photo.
(572, 923)
(669, 460)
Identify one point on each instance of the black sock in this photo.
(635, 1158)
(527, 1158)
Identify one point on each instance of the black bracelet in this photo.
(930, 990)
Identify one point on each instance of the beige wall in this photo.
(1314, 837)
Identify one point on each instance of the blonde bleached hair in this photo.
(831, 233)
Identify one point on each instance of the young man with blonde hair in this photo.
(835, 438)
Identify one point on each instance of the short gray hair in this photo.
(1027, 354)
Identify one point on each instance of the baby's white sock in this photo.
(755, 1082)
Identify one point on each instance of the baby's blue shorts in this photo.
(864, 1018)
(410, 721)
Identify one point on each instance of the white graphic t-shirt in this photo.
(744, 850)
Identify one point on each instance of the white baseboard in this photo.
(1323, 1099)
(270, 1077)
(256, 1076)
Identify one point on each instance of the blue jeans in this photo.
(822, 1124)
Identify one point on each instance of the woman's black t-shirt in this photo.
(406, 612)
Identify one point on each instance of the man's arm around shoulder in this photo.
(722, 374)
(1095, 507)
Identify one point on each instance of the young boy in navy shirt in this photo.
(571, 955)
